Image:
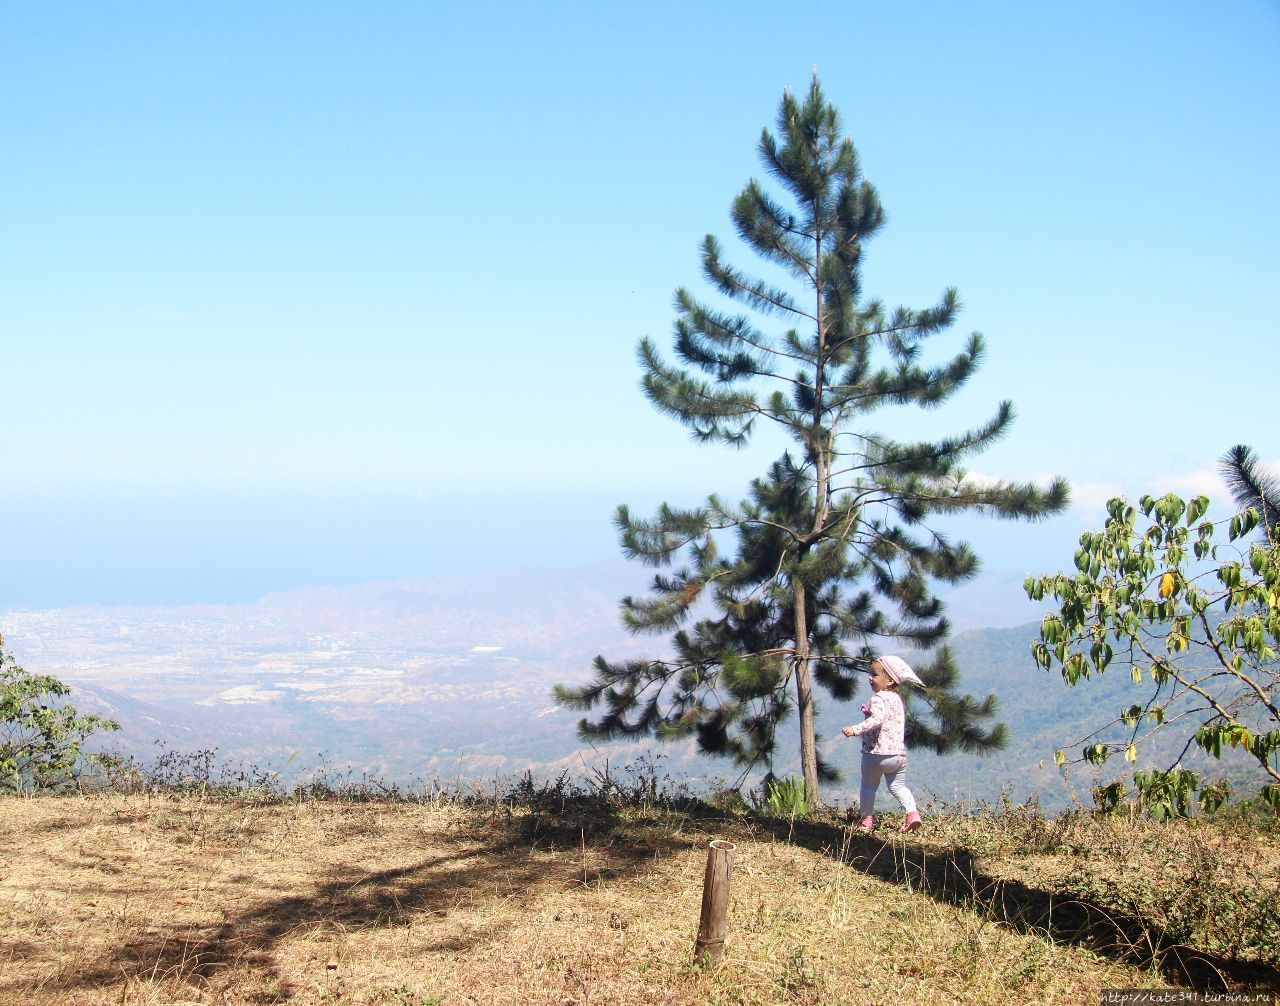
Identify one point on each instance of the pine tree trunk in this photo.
(804, 696)
(804, 688)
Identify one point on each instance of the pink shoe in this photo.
(867, 824)
(912, 822)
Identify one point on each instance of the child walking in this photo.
(884, 749)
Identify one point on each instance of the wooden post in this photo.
(715, 902)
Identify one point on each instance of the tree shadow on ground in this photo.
(953, 877)
(467, 869)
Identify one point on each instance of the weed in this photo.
(785, 798)
(797, 975)
(404, 994)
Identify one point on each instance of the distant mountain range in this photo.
(450, 679)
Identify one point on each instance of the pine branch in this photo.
(1252, 485)
(720, 328)
(772, 233)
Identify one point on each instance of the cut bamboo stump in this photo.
(709, 946)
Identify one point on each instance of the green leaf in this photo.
(1210, 739)
(1108, 797)
(1263, 746)
(1214, 796)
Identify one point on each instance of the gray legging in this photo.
(894, 770)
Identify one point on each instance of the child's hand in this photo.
(848, 732)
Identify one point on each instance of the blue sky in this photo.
(297, 294)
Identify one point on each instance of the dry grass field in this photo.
(169, 899)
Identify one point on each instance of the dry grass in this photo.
(164, 900)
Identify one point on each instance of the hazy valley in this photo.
(450, 679)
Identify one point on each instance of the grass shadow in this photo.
(500, 866)
(953, 877)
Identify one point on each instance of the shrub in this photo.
(41, 737)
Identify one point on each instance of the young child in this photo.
(884, 749)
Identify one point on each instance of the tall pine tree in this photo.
(833, 557)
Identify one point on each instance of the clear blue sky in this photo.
(315, 293)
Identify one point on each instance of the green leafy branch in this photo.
(41, 738)
(1198, 620)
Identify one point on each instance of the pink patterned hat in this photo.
(899, 670)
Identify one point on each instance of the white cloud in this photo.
(1089, 499)
(983, 479)
(1201, 482)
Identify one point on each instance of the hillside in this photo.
(552, 899)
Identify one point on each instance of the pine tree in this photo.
(833, 557)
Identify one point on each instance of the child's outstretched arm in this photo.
(876, 715)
